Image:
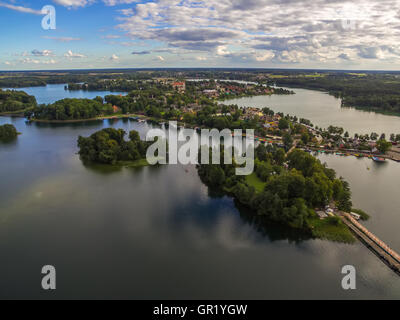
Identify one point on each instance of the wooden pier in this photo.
(381, 249)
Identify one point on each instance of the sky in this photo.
(313, 34)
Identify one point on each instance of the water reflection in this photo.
(271, 230)
(159, 232)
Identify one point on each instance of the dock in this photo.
(377, 246)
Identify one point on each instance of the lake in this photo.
(324, 110)
(54, 92)
(157, 233)
(319, 107)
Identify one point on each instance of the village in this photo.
(270, 127)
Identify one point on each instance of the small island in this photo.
(8, 132)
(108, 146)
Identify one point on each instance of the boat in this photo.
(378, 159)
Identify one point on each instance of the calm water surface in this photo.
(54, 92)
(324, 110)
(158, 233)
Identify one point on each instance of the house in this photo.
(180, 86)
(211, 93)
(116, 109)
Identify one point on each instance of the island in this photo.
(108, 146)
(8, 132)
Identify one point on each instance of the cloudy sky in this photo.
(329, 34)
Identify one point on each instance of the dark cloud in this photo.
(141, 52)
(200, 34)
(197, 46)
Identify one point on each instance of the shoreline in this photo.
(362, 154)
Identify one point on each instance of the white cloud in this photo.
(265, 57)
(116, 2)
(222, 51)
(280, 31)
(43, 53)
(20, 8)
(74, 3)
(62, 39)
(259, 32)
(114, 57)
(69, 54)
(37, 61)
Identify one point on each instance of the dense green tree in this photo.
(8, 132)
(109, 146)
(305, 137)
(383, 146)
(283, 124)
(279, 156)
(15, 101)
(287, 140)
(70, 109)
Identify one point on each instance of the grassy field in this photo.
(255, 182)
(332, 229)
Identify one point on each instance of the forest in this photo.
(70, 109)
(15, 101)
(8, 132)
(284, 188)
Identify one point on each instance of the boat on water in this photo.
(378, 159)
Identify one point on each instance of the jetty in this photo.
(377, 246)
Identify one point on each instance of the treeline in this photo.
(14, 101)
(21, 82)
(374, 92)
(35, 79)
(71, 109)
(8, 132)
(108, 146)
(293, 186)
(114, 85)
